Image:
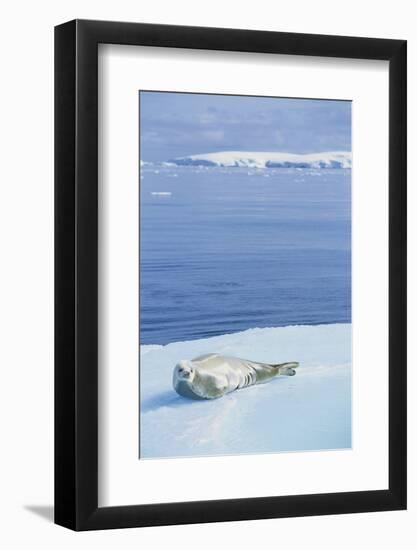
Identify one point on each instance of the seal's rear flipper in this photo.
(287, 369)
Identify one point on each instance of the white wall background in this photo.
(26, 273)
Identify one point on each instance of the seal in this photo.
(211, 376)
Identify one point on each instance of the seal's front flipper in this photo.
(287, 369)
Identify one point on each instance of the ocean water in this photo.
(223, 250)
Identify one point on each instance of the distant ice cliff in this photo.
(332, 159)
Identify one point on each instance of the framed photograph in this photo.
(230, 249)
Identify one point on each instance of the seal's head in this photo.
(184, 380)
(184, 371)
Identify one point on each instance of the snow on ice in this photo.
(309, 411)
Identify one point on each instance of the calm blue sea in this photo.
(227, 249)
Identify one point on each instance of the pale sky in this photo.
(181, 124)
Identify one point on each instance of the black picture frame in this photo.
(76, 272)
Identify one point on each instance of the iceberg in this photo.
(332, 159)
(309, 411)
